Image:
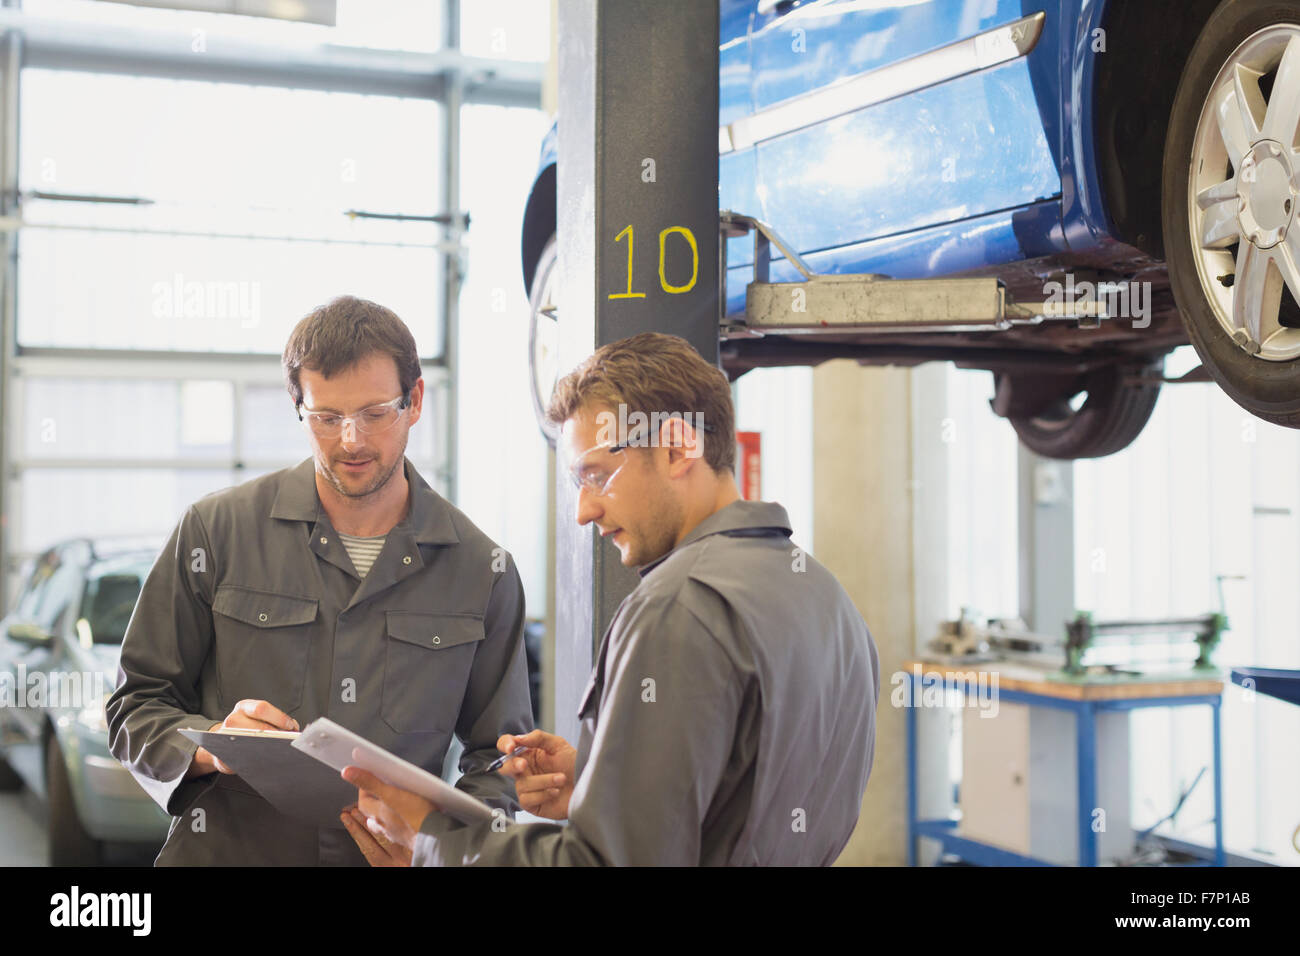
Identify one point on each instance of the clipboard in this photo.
(301, 788)
(337, 747)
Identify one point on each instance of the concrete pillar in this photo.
(880, 481)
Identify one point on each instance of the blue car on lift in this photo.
(1144, 154)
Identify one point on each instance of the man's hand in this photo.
(376, 848)
(544, 775)
(248, 715)
(391, 813)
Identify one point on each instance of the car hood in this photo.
(104, 658)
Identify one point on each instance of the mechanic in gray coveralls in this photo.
(756, 740)
(343, 587)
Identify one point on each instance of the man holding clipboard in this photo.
(344, 587)
(730, 715)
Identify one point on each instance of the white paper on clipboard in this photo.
(339, 747)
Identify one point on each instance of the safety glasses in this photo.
(376, 418)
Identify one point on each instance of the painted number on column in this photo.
(629, 294)
(663, 279)
(695, 260)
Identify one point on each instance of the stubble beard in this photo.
(381, 481)
(659, 534)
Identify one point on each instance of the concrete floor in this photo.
(22, 836)
(22, 822)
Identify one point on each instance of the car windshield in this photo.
(112, 588)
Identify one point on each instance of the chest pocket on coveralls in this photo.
(426, 669)
(263, 641)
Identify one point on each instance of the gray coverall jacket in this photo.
(729, 720)
(256, 597)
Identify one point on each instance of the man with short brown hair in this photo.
(344, 587)
(730, 715)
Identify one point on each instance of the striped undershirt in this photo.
(362, 551)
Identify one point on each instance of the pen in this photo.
(501, 761)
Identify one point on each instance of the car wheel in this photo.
(1104, 416)
(69, 843)
(1231, 188)
(543, 338)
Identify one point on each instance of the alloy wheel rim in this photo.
(1243, 194)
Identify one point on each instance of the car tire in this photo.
(9, 779)
(543, 339)
(1114, 413)
(1204, 273)
(69, 843)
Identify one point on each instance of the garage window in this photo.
(1206, 501)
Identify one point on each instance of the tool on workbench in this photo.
(964, 637)
(1084, 634)
(969, 640)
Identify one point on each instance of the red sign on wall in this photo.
(750, 448)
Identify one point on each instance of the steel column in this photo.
(451, 272)
(10, 61)
(1046, 506)
(637, 173)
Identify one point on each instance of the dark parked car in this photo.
(1137, 159)
(59, 649)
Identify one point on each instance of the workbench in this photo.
(1085, 698)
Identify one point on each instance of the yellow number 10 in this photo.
(695, 260)
(629, 294)
(663, 280)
